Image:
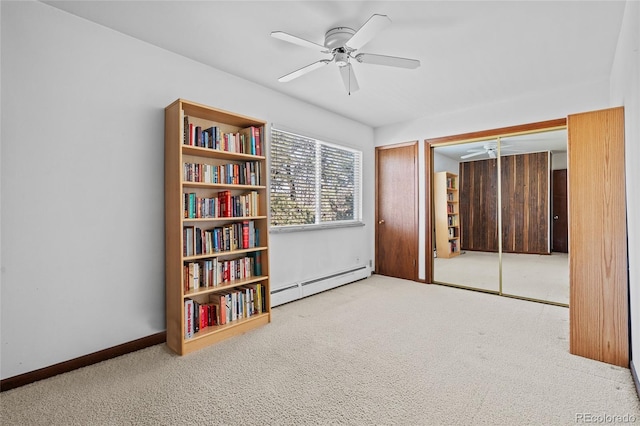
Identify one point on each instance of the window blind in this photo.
(313, 182)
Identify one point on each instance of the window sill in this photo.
(314, 227)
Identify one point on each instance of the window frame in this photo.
(357, 221)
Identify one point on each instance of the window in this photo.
(313, 183)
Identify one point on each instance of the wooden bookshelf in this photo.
(215, 203)
(446, 214)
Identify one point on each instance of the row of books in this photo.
(451, 183)
(453, 232)
(232, 236)
(216, 272)
(450, 208)
(453, 246)
(450, 196)
(224, 205)
(246, 173)
(223, 308)
(245, 141)
(453, 220)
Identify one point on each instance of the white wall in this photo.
(559, 161)
(540, 107)
(82, 212)
(625, 90)
(442, 163)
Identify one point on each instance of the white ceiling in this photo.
(554, 141)
(472, 52)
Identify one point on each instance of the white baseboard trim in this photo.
(285, 294)
(312, 286)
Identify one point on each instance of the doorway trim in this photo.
(540, 126)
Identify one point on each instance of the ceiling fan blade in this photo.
(472, 155)
(297, 40)
(368, 30)
(349, 78)
(391, 61)
(304, 70)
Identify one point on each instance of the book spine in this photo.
(185, 130)
(257, 264)
(245, 234)
(188, 319)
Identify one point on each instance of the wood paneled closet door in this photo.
(599, 309)
(397, 211)
(560, 241)
(479, 205)
(525, 203)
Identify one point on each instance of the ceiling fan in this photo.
(342, 43)
(490, 149)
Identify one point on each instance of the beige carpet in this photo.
(379, 351)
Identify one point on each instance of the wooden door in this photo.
(599, 304)
(559, 223)
(397, 211)
(525, 203)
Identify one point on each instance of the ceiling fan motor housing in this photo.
(337, 37)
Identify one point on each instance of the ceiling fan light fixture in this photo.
(341, 59)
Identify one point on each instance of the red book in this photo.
(203, 317)
(224, 198)
(223, 308)
(219, 303)
(210, 314)
(245, 234)
(228, 203)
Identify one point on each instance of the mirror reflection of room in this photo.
(513, 244)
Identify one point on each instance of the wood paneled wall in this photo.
(599, 305)
(479, 205)
(525, 204)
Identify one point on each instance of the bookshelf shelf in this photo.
(446, 214)
(188, 184)
(225, 286)
(211, 331)
(218, 153)
(223, 253)
(223, 219)
(214, 294)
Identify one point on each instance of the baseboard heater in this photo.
(306, 288)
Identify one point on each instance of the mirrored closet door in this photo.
(501, 231)
(475, 263)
